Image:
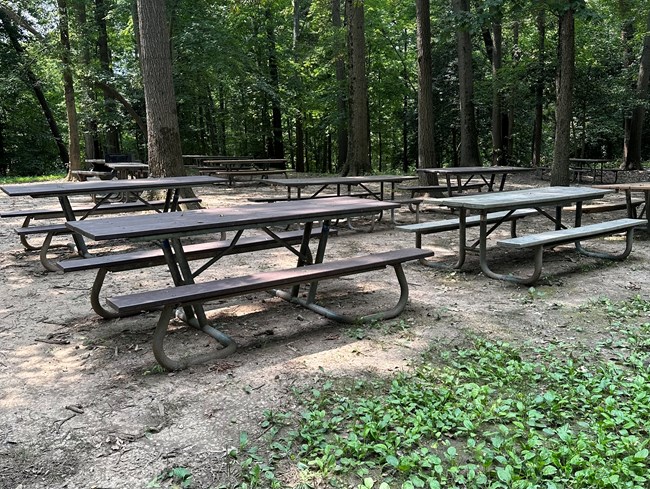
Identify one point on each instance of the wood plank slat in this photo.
(230, 287)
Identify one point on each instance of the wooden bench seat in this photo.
(572, 235)
(429, 189)
(52, 230)
(453, 224)
(605, 207)
(118, 262)
(199, 293)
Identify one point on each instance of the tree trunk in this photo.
(276, 118)
(68, 88)
(35, 84)
(560, 174)
(358, 160)
(426, 139)
(469, 154)
(633, 154)
(498, 149)
(539, 91)
(341, 103)
(627, 37)
(112, 135)
(163, 137)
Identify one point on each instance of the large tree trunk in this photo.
(560, 174)
(633, 153)
(469, 154)
(426, 139)
(341, 104)
(68, 87)
(163, 136)
(539, 91)
(35, 84)
(358, 159)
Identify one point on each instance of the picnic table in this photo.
(241, 167)
(107, 188)
(498, 207)
(171, 229)
(630, 189)
(462, 178)
(342, 185)
(596, 167)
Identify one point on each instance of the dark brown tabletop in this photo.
(176, 224)
(103, 186)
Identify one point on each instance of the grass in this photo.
(487, 416)
(43, 178)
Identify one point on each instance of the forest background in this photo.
(273, 79)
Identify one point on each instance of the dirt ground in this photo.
(83, 404)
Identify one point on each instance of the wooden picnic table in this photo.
(172, 229)
(538, 199)
(133, 187)
(630, 189)
(343, 185)
(596, 167)
(460, 178)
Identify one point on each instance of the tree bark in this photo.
(469, 154)
(539, 91)
(358, 159)
(426, 138)
(560, 174)
(633, 154)
(112, 135)
(74, 147)
(341, 103)
(35, 84)
(276, 118)
(163, 136)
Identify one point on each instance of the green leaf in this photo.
(505, 473)
(641, 454)
(392, 460)
(549, 470)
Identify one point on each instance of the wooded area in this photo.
(348, 86)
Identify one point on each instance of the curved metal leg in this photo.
(341, 318)
(48, 264)
(95, 302)
(186, 361)
(440, 265)
(537, 272)
(629, 239)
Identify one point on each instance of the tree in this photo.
(633, 151)
(341, 105)
(560, 174)
(74, 147)
(163, 136)
(426, 144)
(539, 90)
(358, 157)
(469, 154)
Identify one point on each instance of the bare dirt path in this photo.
(83, 403)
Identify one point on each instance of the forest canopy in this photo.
(267, 78)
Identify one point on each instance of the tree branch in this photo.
(114, 94)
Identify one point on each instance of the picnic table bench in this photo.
(171, 298)
(575, 235)
(134, 260)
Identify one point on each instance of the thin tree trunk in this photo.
(341, 103)
(633, 160)
(68, 88)
(35, 84)
(112, 135)
(469, 153)
(276, 118)
(560, 174)
(539, 91)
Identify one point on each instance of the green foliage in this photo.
(486, 416)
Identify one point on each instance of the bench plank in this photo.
(471, 221)
(230, 287)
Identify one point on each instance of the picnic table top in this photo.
(124, 165)
(98, 186)
(338, 180)
(186, 223)
(472, 170)
(514, 199)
